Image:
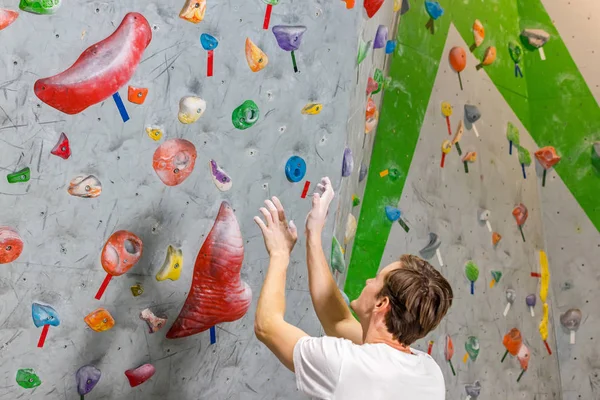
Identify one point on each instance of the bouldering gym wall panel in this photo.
(539, 90)
(121, 173)
(119, 207)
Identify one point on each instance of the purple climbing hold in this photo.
(381, 37)
(363, 172)
(348, 163)
(289, 38)
(392, 213)
(87, 378)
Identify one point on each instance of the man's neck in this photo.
(375, 337)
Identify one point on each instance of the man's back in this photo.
(333, 368)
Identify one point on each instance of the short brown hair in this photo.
(419, 298)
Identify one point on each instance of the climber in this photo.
(366, 359)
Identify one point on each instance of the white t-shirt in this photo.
(331, 368)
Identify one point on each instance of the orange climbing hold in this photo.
(100, 320)
(371, 108)
(496, 237)
(349, 3)
(255, 57)
(458, 59)
(193, 11)
(488, 58)
(513, 341)
(137, 95)
(478, 33)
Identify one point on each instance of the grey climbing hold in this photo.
(405, 7)
(472, 113)
(429, 250)
(473, 390)
(363, 172)
(536, 37)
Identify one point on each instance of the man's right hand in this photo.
(315, 222)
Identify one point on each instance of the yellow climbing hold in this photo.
(545, 280)
(154, 133)
(544, 324)
(397, 5)
(383, 173)
(312, 109)
(171, 268)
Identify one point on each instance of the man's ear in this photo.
(382, 304)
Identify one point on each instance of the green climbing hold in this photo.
(524, 156)
(363, 49)
(19, 176)
(337, 256)
(472, 347)
(516, 51)
(596, 157)
(472, 271)
(27, 378)
(496, 276)
(355, 200)
(380, 79)
(44, 7)
(394, 174)
(245, 116)
(512, 134)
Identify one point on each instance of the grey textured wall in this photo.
(64, 235)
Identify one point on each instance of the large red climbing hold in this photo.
(100, 71)
(217, 294)
(140, 375)
(62, 148)
(372, 6)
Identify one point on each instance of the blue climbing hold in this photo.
(209, 42)
(295, 169)
(390, 46)
(44, 315)
(392, 213)
(346, 299)
(434, 9)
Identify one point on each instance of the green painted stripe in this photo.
(553, 102)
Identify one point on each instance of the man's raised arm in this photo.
(332, 310)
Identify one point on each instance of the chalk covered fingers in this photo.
(280, 237)
(320, 206)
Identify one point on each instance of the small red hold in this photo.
(372, 6)
(62, 148)
(372, 86)
(137, 95)
(140, 375)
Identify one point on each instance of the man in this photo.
(368, 359)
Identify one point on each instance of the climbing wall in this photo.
(63, 235)
(554, 104)
(448, 202)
